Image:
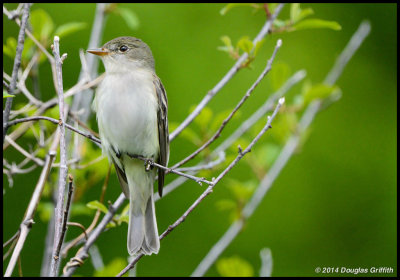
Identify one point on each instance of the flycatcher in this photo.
(131, 107)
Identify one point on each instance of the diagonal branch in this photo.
(17, 63)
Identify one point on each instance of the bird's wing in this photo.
(163, 135)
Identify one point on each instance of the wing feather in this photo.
(163, 134)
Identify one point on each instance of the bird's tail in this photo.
(142, 231)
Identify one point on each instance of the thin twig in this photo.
(63, 160)
(17, 63)
(79, 226)
(66, 212)
(36, 118)
(25, 153)
(170, 170)
(236, 67)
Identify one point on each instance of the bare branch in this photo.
(264, 31)
(66, 212)
(17, 63)
(63, 161)
(29, 119)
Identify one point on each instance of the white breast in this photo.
(126, 107)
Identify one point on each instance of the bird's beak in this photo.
(99, 52)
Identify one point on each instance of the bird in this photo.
(131, 111)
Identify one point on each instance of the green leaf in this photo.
(225, 204)
(42, 24)
(95, 204)
(45, 210)
(242, 190)
(279, 74)
(111, 269)
(78, 209)
(294, 12)
(266, 154)
(68, 28)
(227, 45)
(316, 23)
(245, 44)
(280, 23)
(220, 117)
(228, 7)
(319, 91)
(258, 46)
(304, 13)
(234, 267)
(5, 94)
(226, 40)
(203, 119)
(10, 48)
(130, 18)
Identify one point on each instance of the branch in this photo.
(264, 31)
(66, 212)
(283, 157)
(63, 161)
(17, 63)
(240, 103)
(29, 119)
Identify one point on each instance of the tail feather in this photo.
(142, 230)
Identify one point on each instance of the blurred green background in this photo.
(334, 204)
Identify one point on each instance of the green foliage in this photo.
(10, 48)
(234, 266)
(118, 219)
(230, 6)
(5, 94)
(297, 21)
(279, 74)
(319, 91)
(43, 30)
(316, 23)
(241, 192)
(69, 28)
(111, 269)
(266, 154)
(244, 44)
(96, 205)
(45, 210)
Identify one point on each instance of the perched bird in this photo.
(131, 107)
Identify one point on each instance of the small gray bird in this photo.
(131, 107)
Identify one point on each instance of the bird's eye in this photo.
(123, 48)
